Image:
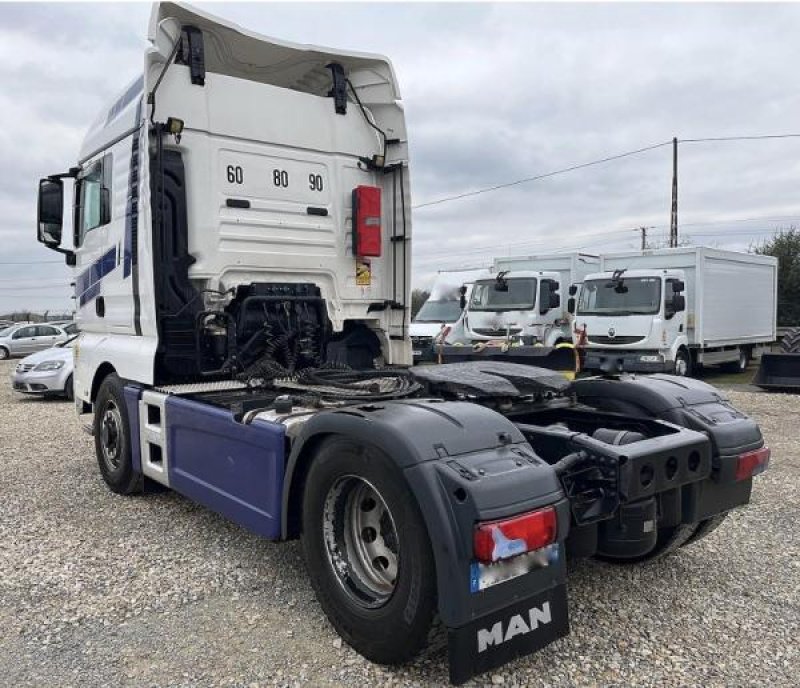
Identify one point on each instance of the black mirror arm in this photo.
(72, 173)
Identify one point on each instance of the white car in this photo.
(47, 372)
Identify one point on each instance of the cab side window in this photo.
(93, 198)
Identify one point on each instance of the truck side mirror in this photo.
(573, 289)
(678, 286)
(50, 212)
(675, 304)
(571, 305)
(462, 299)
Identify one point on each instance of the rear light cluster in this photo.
(752, 463)
(502, 539)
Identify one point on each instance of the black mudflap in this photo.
(519, 629)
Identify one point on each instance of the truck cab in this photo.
(633, 320)
(521, 305)
(442, 315)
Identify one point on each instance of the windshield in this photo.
(631, 296)
(520, 296)
(439, 311)
(6, 331)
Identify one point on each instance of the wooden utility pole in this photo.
(673, 221)
(643, 230)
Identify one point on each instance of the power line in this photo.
(545, 175)
(592, 235)
(610, 158)
(758, 137)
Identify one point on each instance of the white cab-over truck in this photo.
(671, 310)
(524, 300)
(241, 248)
(443, 310)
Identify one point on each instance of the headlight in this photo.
(50, 365)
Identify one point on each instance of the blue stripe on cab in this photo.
(87, 285)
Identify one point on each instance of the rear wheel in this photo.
(670, 539)
(112, 438)
(3, 353)
(367, 551)
(739, 365)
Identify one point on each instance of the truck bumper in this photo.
(627, 361)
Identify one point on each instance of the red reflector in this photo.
(367, 221)
(495, 540)
(752, 463)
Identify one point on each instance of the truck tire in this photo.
(368, 552)
(705, 528)
(790, 344)
(683, 363)
(112, 438)
(69, 391)
(670, 539)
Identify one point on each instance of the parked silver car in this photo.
(21, 340)
(46, 372)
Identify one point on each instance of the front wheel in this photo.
(69, 391)
(368, 552)
(683, 363)
(112, 438)
(739, 365)
(3, 353)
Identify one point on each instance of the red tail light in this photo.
(752, 463)
(367, 221)
(495, 540)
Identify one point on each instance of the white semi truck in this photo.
(241, 231)
(442, 311)
(524, 300)
(672, 310)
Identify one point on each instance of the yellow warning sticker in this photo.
(363, 273)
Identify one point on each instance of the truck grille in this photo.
(486, 332)
(602, 339)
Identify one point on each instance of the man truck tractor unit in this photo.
(442, 311)
(672, 310)
(241, 247)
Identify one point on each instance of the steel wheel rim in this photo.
(111, 435)
(361, 541)
(680, 366)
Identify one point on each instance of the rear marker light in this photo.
(367, 221)
(752, 463)
(502, 539)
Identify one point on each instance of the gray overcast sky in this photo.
(493, 93)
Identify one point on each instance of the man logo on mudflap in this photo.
(517, 625)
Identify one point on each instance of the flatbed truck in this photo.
(241, 252)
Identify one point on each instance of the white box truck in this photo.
(672, 310)
(522, 299)
(443, 310)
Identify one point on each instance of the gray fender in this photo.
(464, 463)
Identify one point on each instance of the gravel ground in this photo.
(100, 590)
